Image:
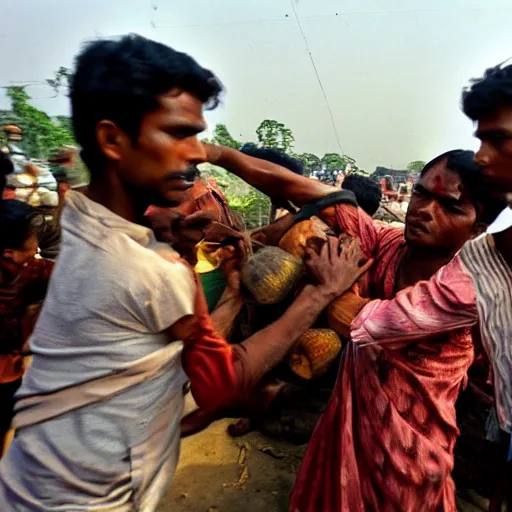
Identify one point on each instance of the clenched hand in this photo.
(338, 266)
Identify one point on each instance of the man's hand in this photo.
(183, 233)
(338, 266)
(232, 261)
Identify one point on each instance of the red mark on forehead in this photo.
(437, 185)
(443, 182)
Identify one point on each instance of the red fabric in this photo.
(209, 361)
(19, 287)
(385, 441)
(9, 193)
(206, 197)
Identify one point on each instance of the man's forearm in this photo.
(265, 349)
(226, 311)
(222, 374)
(271, 234)
(269, 178)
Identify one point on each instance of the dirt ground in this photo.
(218, 473)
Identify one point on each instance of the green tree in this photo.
(222, 136)
(334, 162)
(310, 161)
(65, 122)
(415, 166)
(41, 135)
(272, 134)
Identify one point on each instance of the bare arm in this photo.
(226, 311)
(220, 373)
(271, 179)
(272, 233)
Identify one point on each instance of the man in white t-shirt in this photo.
(125, 325)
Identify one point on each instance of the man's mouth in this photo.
(187, 177)
(417, 226)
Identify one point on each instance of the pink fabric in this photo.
(449, 297)
(385, 441)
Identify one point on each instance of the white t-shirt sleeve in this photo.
(164, 293)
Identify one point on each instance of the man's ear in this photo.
(110, 138)
(8, 254)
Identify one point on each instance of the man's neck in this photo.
(109, 193)
(420, 264)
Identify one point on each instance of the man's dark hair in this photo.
(6, 167)
(367, 191)
(120, 80)
(16, 223)
(485, 95)
(463, 163)
(275, 156)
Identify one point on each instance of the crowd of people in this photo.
(133, 348)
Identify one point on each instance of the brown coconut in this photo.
(270, 274)
(308, 233)
(314, 352)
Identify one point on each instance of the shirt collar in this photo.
(93, 221)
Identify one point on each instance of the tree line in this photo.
(43, 134)
(273, 134)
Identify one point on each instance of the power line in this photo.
(317, 76)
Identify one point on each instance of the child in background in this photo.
(23, 281)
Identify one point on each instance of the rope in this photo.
(317, 76)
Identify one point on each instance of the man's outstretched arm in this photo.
(222, 374)
(273, 180)
(447, 301)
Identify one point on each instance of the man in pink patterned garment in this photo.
(386, 439)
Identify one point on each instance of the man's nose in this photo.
(482, 156)
(427, 212)
(196, 152)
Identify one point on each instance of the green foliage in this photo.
(272, 134)
(254, 208)
(242, 198)
(416, 166)
(222, 137)
(310, 161)
(64, 122)
(41, 135)
(334, 162)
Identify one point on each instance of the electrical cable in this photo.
(317, 76)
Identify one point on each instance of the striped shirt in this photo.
(493, 280)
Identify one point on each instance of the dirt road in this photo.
(220, 474)
(250, 474)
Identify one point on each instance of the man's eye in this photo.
(181, 133)
(498, 140)
(453, 208)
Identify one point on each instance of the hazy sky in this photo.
(392, 70)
